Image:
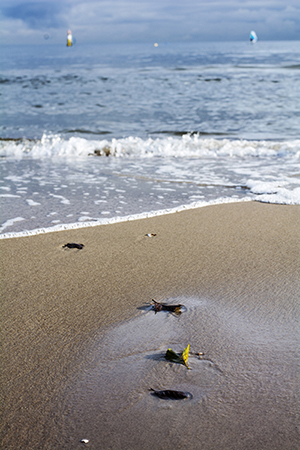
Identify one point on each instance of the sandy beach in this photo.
(81, 347)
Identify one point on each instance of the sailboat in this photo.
(253, 37)
(69, 39)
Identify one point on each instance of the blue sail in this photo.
(253, 37)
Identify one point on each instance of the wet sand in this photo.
(81, 347)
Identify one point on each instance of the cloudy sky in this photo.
(24, 21)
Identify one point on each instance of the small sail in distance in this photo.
(253, 37)
(69, 39)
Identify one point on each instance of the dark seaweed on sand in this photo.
(170, 394)
(165, 307)
(73, 245)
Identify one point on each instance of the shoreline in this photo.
(80, 354)
(120, 219)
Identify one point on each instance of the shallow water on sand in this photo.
(237, 385)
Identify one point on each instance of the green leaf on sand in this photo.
(179, 358)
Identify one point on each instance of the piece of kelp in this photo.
(169, 394)
(176, 309)
(73, 245)
(179, 358)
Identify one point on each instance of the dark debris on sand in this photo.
(73, 245)
(176, 309)
(169, 394)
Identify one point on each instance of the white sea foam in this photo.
(9, 196)
(167, 171)
(261, 187)
(51, 146)
(282, 196)
(9, 223)
(274, 192)
(62, 227)
(32, 202)
(62, 199)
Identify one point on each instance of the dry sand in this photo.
(80, 349)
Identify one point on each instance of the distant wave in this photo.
(84, 131)
(293, 66)
(188, 145)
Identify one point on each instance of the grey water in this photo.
(234, 89)
(182, 122)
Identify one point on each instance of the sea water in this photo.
(102, 133)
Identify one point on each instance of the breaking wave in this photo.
(189, 145)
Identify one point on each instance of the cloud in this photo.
(171, 20)
(37, 15)
(153, 20)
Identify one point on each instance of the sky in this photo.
(113, 21)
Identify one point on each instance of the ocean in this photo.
(95, 134)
